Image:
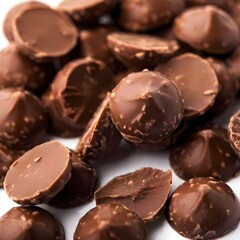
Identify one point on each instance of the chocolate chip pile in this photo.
(153, 74)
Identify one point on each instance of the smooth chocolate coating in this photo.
(236, 13)
(93, 43)
(207, 29)
(18, 71)
(146, 107)
(23, 120)
(196, 80)
(39, 174)
(80, 187)
(144, 191)
(109, 222)
(228, 87)
(205, 153)
(204, 208)
(142, 15)
(76, 92)
(141, 51)
(86, 11)
(7, 23)
(7, 157)
(101, 136)
(30, 223)
(56, 39)
(234, 132)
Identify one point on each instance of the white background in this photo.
(122, 161)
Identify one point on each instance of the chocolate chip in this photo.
(197, 27)
(43, 34)
(30, 223)
(80, 187)
(111, 221)
(23, 120)
(101, 136)
(204, 208)
(39, 174)
(205, 153)
(144, 191)
(146, 107)
(196, 80)
(234, 132)
(141, 51)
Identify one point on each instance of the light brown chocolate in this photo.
(234, 132)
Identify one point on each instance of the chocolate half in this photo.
(56, 39)
(146, 107)
(205, 153)
(30, 223)
(23, 120)
(144, 191)
(196, 80)
(141, 51)
(204, 208)
(101, 135)
(110, 221)
(142, 16)
(208, 29)
(39, 174)
(234, 132)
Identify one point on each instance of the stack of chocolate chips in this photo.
(151, 73)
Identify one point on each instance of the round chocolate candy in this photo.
(39, 174)
(196, 80)
(93, 43)
(18, 71)
(205, 153)
(208, 29)
(236, 13)
(80, 187)
(86, 11)
(234, 132)
(7, 157)
(146, 107)
(141, 15)
(144, 191)
(8, 21)
(23, 120)
(228, 87)
(30, 223)
(43, 34)
(204, 208)
(141, 51)
(110, 221)
(76, 92)
(101, 136)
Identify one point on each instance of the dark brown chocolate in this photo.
(80, 187)
(86, 11)
(38, 175)
(236, 13)
(25, 223)
(205, 153)
(204, 208)
(234, 132)
(146, 107)
(76, 92)
(7, 24)
(141, 51)
(207, 29)
(18, 71)
(7, 157)
(144, 191)
(110, 221)
(23, 120)
(101, 136)
(43, 34)
(142, 15)
(196, 80)
(228, 87)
